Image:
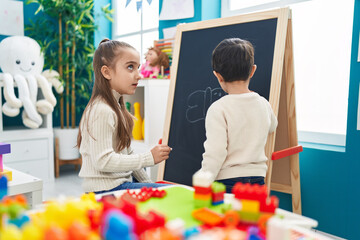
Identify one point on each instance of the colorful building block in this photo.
(4, 149)
(217, 203)
(217, 187)
(202, 190)
(198, 203)
(202, 179)
(250, 206)
(270, 205)
(118, 224)
(207, 216)
(202, 196)
(257, 193)
(7, 174)
(3, 187)
(249, 217)
(217, 196)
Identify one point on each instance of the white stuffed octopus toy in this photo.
(22, 62)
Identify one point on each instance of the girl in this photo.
(155, 59)
(105, 129)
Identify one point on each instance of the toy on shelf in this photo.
(137, 129)
(156, 63)
(128, 106)
(166, 46)
(4, 149)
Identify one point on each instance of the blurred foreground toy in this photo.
(4, 149)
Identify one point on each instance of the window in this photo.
(322, 33)
(138, 26)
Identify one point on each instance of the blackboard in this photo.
(193, 88)
(197, 88)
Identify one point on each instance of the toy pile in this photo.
(123, 217)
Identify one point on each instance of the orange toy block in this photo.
(7, 174)
(202, 196)
(207, 216)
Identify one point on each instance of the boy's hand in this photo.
(160, 153)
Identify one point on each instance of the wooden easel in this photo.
(283, 175)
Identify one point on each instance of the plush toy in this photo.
(155, 59)
(21, 62)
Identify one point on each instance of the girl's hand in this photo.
(160, 153)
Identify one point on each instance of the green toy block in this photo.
(218, 187)
(202, 203)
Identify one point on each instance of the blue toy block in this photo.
(118, 224)
(19, 221)
(3, 187)
(218, 203)
(254, 234)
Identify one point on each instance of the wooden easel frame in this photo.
(282, 83)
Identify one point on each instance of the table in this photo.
(22, 183)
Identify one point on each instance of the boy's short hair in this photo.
(233, 58)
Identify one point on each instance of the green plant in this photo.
(66, 35)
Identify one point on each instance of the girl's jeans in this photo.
(133, 185)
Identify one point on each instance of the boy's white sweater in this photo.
(237, 127)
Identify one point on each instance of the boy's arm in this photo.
(274, 121)
(216, 142)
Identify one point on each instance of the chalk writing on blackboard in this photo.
(198, 103)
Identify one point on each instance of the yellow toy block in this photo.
(250, 206)
(7, 174)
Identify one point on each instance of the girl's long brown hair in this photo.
(107, 53)
(162, 60)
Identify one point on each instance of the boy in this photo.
(237, 125)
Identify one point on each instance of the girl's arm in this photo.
(103, 156)
(141, 176)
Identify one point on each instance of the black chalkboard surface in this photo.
(197, 88)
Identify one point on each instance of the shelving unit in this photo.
(31, 149)
(152, 95)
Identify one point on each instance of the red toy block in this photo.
(110, 202)
(250, 192)
(146, 193)
(202, 190)
(217, 196)
(95, 219)
(129, 205)
(270, 205)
